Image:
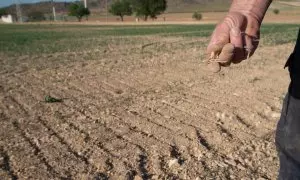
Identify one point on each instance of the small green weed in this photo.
(50, 99)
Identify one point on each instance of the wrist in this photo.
(251, 8)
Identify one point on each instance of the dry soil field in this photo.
(138, 103)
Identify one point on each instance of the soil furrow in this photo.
(39, 152)
(19, 147)
(5, 164)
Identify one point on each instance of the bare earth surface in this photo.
(140, 112)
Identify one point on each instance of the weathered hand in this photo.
(237, 36)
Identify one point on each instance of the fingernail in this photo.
(235, 31)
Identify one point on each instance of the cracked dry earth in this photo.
(140, 113)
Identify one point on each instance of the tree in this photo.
(36, 16)
(149, 8)
(78, 10)
(121, 8)
(276, 11)
(3, 12)
(197, 16)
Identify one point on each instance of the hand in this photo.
(236, 38)
(241, 31)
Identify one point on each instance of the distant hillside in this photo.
(100, 5)
(45, 7)
(97, 6)
(195, 5)
(181, 5)
(200, 5)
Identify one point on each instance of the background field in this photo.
(177, 11)
(138, 103)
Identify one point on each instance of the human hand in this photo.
(236, 37)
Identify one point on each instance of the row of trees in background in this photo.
(141, 8)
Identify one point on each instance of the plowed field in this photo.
(138, 103)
